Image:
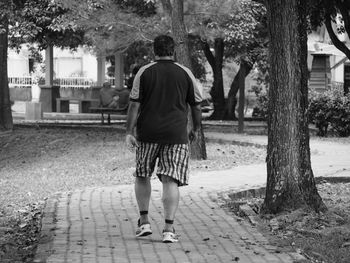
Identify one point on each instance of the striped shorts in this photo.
(172, 161)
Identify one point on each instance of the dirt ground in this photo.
(321, 238)
(37, 162)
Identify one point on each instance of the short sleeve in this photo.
(136, 85)
(194, 94)
(197, 90)
(135, 90)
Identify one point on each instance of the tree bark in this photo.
(290, 180)
(241, 77)
(232, 94)
(197, 147)
(182, 50)
(217, 90)
(6, 122)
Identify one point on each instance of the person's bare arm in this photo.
(196, 117)
(131, 119)
(133, 112)
(196, 113)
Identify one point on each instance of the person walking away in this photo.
(159, 99)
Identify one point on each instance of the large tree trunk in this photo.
(234, 88)
(241, 77)
(180, 34)
(290, 180)
(197, 147)
(5, 104)
(217, 91)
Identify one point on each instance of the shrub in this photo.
(261, 102)
(330, 109)
(318, 112)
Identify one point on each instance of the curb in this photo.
(250, 193)
(48, 227)
(235, 142)
(332, 180)
(246, 211)
(242, 207)
(69, 126)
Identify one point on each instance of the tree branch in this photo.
(219, 49)
(219, 14)
(344, 10)
(335, 40)
(260, 2)
(208, 54)
(167, 6)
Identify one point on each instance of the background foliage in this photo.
(330, 110)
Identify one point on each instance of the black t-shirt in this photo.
(164, 88)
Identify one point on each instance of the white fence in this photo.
(83, 83)
(74, 82)
(69, 82)
(20, 82)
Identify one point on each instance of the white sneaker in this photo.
(170, 237)
(143, 230)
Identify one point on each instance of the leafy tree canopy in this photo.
(328, 11)
(113, 25)
(35, 21)
(321, 12)
(242, 24)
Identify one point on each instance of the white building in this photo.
(327, 65)
(67, 63)
(18, 63)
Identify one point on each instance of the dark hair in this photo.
(163, 46)
(106, 85)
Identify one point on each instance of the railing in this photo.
(83, 82)
(68, 82)
(20, 82)
(79, 82)
(74, 82)
(337, 85)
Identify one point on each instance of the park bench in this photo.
(108, 112)
(62, 104)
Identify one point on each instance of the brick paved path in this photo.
(98, 225)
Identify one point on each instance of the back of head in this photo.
(163, 46)
(106, 85)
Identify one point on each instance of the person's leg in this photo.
(146, 154)
(172, 171)
(143, 195)
(116, 102)
(170, 200)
